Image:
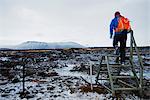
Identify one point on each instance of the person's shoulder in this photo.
(124, 18)
(114, 19)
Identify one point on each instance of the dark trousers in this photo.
(122, 38)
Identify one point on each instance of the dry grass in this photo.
(97, 89)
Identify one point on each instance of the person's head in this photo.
(117, 14)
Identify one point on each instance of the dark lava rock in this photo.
(43, 74)
(16, 80)
(29, 96)
(41, 92)
(35, 91)
(12, 90)
(3, 82)
(29, 87)
(4, 95)
(2, 90)
(30, 72)
(26, 94)
(80, 68)
(50, 88)
(50, 74)
(146, 64)
(38, 85)
(98, 89)
(69, 81)
(55, 96)
(51, 96)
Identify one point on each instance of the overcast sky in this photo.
(82, 21)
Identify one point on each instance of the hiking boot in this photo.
(116, 52)
(122, 63)
(117, 60)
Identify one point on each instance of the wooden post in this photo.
(139, 60)
(131, 46)
(109, 73)
(91, 75)
(141, 67)
(99, 69)
(23, 81)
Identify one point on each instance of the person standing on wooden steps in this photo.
(119, 27)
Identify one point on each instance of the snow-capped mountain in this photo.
(44, 45)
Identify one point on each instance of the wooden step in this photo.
(127, 56)
(115, 65)
(113, 55)
(127, 84)
(123, 77)
(105, 65)
(103, 71)
(106, 71)
(119, 77)
(125, 89)
(103, 79)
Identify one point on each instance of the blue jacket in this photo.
(113, 25)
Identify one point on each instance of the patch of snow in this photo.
(5, 58)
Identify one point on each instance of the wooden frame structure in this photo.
(112, 72)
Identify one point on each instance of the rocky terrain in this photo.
(58, 74)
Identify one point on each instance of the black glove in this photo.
(111, 36)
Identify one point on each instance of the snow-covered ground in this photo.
(60, 79)
(62, 87)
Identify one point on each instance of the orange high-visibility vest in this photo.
(120, 26)
(123, 23)
(126, 23)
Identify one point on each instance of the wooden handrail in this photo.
(133, 43)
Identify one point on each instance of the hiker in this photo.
(121, 26)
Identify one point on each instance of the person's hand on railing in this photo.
(130, 31)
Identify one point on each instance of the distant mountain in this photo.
(5, 49)
(44, 45)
